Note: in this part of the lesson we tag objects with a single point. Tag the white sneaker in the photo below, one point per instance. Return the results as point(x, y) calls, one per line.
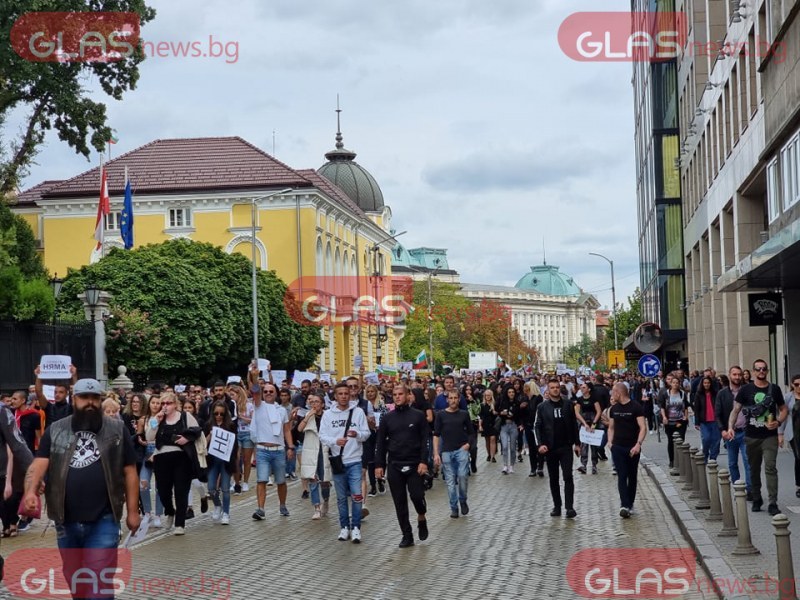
point(316, 516)
point(170, 522)
point(232, 490)
point(157, 522)
point(510, 469)
point(226, 519)
point(270, 481)
point(217, 513)
point(505, 469)
point(179, 531)
point(245, 487)
point(344, 534)
point(355, 535)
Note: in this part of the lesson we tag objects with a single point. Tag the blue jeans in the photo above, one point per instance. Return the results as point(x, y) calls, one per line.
point(735, 446)
point(315, 484)
point(270, 461)
point(218, 473)
point(349, 484)
point(710, 436)
point(456, 471)
point(146, 474)
point(93, 547)
point(508, 440)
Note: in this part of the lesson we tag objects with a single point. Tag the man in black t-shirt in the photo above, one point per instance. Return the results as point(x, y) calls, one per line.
point(453, 432)
point(626, 434)
point(765, 410)
point(90, 466)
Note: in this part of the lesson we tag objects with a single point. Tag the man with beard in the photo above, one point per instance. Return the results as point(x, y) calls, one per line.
point(90, 466)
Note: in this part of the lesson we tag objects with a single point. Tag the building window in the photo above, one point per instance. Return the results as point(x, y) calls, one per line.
point(789, 173)
point(180, 217)
point(112, 221)
point(773, 190)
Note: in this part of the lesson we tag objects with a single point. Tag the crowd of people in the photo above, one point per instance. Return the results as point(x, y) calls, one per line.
point(362, 440)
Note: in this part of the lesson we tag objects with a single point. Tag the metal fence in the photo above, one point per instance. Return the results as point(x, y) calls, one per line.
point(22, 345)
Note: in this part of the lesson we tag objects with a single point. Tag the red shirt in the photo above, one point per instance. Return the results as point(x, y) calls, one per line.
point(709, 409)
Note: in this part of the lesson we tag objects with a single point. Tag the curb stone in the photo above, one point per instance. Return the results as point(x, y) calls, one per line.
point(707, 552)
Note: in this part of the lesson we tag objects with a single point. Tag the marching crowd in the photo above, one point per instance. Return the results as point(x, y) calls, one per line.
point(362, 439)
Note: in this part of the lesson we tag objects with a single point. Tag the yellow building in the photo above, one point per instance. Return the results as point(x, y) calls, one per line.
point(332, 222)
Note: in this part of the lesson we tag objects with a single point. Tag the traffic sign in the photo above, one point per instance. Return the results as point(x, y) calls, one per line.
point(616, 358)
point(649, 365)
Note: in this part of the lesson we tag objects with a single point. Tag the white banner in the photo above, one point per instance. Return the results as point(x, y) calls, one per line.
point(594, 438)
point(221, 443)
point(55, 366)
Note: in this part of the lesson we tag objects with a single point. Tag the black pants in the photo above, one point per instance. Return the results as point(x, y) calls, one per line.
point(537, 460)
point(671, 428)
point(8, 508)
point(795, 446)
point(173, 471)
point(627, 474)
point(399, 482)
point(561, 458)
point(473, 449)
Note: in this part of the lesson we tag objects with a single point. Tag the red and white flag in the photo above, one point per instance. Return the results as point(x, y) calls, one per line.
point(103, 208)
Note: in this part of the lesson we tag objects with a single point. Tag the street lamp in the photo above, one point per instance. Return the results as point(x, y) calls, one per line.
point(613, 296)
point(95, 303)
point(381, 333)
point(253, 202)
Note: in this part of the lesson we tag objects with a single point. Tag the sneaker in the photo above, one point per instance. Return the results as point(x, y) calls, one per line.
point(454, 514)
point(614, 472)
point(216, 513)
point(405, 542)
point(157, 522)
point(259, 515)
point(284, 511)
point(571, 514)
point(372, 492)
point(540, 473)
point(464, 508)
point(317, 515)
point(624, 512)
point(190, 513)
point(304, 495)
point(510, 469)
point(226, 519)
point(23, 525)
point(532, 474)
point(757, 504)
point(594, 470)
point(344, 534)
point(204, 504)
point(231, 488)
point(519, 457)
point(381, 487)
point(582, 469)
point(355, 535)
point(179, 531)
point(170, 522)
point(556, 512)
point(270, 482)
point(245, 487)
point(237, 489)
point(422, 528)
point(324, 510)
point(505, 470)
point(773, 509)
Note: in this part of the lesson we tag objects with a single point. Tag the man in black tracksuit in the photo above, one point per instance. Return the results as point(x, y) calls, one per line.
point(556, 433)
point(403, 434)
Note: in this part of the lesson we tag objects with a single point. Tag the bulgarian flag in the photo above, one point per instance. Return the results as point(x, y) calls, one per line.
point(421, 362)
point(103, 208)
point(499, 360)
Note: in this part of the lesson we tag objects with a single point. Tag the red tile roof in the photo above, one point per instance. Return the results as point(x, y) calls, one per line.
point(186, 165)
point(30, 196)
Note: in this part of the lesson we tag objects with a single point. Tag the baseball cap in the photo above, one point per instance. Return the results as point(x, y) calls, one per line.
point(87, 386)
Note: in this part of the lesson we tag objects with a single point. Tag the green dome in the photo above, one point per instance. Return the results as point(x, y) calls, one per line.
point(547, 279)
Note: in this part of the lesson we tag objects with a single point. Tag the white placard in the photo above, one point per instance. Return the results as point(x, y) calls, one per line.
point(299, 376)
point(594, 438)
point(372, 378)
point(234, 379)
point(55, 366)
point(263, 366)
point(277, 377)
point(49, 392)
point(140, 534)
point(325, 377)
point(221, 443)
point(180, 388)
point(358, 361)
point(377, 416)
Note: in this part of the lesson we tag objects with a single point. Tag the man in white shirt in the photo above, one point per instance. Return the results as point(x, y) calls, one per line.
point(271, 432)
point(346, 440)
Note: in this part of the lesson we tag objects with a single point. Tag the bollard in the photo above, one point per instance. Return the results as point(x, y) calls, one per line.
point(675, 470)
point(688, 470)
point(703, 502)
point(744, 543)
point(787, 588)
point(728, 518)
point(679, 461)
point(695, 492)
point(713, 492)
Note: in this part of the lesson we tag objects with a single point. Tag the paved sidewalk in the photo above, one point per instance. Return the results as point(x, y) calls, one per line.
point(508, 547)
point(759, 568)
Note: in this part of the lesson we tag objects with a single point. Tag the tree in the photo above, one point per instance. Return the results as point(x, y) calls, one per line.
point(584, 351)
point(53, 93)
point(184, 311)
point(628, 319)
point(18, 244)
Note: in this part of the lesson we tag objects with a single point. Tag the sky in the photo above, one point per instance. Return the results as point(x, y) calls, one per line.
point(484, 137)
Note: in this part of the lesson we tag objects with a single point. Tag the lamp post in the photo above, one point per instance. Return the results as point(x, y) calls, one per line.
point(613, 296)
point(254, 283)
point(431, 274)
point(56, 282)
point(95, 305)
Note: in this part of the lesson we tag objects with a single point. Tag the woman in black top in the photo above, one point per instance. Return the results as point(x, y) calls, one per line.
point(511, 423)
point(487, 417)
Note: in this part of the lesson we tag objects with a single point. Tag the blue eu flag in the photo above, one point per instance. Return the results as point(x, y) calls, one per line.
point(126, 217)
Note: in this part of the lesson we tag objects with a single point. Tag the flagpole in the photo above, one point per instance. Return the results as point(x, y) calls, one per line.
point(102, 217)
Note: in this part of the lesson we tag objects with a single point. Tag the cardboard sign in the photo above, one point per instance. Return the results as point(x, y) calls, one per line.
point(55, 366)
point(221, 443)
point(594, 438)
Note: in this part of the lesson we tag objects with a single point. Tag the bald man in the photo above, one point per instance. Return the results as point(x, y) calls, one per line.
point(626, 434)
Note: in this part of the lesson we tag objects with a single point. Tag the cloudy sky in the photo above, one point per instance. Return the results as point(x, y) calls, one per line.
point(485, 138)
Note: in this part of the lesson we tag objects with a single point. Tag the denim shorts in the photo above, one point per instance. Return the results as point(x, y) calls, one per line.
point(244, 440)
point(270, 461)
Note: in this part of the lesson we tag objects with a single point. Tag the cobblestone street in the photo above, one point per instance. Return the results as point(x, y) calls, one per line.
point(507, 547)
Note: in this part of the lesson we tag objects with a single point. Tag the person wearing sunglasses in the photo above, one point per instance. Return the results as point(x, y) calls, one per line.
point(765, 410)
point(790, 429)
point(220, 471)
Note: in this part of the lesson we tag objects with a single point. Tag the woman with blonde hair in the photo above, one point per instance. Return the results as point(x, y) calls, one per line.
point(488, 415)
point(315, 467)
point(111, 408)
point(245, 409)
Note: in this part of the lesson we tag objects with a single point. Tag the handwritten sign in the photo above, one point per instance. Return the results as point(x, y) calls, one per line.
point(594, 438)
point(55, 366)
point(300, 376)
point(221, 443)
point(278, 377)
point(372, 379)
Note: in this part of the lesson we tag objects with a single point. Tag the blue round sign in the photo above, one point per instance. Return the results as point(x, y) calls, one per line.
point(649, 365)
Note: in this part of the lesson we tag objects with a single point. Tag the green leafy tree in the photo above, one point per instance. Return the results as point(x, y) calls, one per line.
point(194, 311)
point(584, 351)
point(53, 95)
point(18, 244)
point(627, 319)
point(35, 301)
